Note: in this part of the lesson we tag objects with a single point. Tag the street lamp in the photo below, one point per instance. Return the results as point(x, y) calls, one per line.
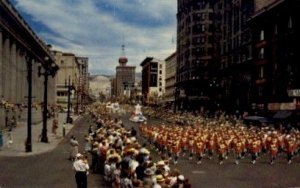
point(70, 88)
point(49, 69)
point(28, 145)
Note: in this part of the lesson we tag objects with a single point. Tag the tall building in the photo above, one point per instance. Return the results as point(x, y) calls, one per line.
point(125, 77)
point(82, 90)
point(153, 80)
point(276, 36)
point(247, 51)
point(194, 52)
point(68, 74)
point(231, 87)
point(169, 97)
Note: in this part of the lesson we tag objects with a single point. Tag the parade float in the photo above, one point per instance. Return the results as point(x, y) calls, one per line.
point(137, 116)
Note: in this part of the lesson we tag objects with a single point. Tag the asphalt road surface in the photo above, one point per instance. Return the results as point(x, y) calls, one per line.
point(229, 175)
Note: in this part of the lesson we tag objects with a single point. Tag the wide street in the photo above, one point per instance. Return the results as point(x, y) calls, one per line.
point(211, 174)
point(52, 169)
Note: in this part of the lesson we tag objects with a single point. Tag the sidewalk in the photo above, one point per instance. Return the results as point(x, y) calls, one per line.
point(19, 135)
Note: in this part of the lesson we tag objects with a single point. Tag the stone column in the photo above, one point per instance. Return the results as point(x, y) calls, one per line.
point(12, 75)
point(34, 82)
point(24, 85)
point(1, 64)
point(5, 67)
point(18, 86)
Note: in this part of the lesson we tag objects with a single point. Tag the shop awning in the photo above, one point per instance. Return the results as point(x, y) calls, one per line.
point(282, 114)
point(258, 119)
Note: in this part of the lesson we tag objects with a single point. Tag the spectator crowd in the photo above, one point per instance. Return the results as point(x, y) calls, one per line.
point(123, 161)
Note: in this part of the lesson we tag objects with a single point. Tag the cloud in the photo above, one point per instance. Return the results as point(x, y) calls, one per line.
point(95, 28)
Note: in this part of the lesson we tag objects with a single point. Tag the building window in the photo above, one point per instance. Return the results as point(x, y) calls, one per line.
point(261, 54)
point(261, 72)
point(160, 84)
point(276, 29)
point(160, 72)
point(290, 23)
point(262, 35)
point(160, 66)
point(203, 28)
point(203, 16)
point(202, 40)
point(260, 91)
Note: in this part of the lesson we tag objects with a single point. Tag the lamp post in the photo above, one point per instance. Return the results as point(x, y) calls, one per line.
point(28, 146)
point(70, 88)
point(49, 69)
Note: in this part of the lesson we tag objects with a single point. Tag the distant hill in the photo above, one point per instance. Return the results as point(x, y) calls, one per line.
point(138, 77)
point(99, 84)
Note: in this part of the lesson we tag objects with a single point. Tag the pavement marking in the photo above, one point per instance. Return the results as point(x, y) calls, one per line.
point(198, 172)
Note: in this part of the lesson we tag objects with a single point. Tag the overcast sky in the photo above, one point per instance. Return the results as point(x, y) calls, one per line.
point(95, 28)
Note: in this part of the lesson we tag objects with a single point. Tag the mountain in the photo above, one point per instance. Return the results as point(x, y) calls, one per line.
point(100, 84)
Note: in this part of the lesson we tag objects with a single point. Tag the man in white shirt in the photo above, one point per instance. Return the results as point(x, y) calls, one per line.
point(81, 167)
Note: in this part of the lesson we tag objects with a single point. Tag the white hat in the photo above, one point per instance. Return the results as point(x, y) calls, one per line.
point(181, 177)
point(144, 151)
point(78, 155)
point(160, 163)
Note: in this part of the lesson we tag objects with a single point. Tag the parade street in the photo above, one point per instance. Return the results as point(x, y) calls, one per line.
point(53, 169)
point(211, 174)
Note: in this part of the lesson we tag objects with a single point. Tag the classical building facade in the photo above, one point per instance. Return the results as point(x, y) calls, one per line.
point(22, 52)
point(153, 80)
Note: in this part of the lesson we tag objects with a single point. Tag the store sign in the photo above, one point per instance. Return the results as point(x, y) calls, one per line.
point(294, 93)
point(282, 106)
point(274, 106)
point(298, 104)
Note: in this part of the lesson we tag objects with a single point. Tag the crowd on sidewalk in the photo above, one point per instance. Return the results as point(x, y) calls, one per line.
point(123, 161)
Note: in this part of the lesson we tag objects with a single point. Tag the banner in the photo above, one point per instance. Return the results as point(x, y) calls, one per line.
point(282, 106)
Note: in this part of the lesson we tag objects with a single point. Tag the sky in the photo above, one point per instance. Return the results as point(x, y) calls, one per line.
point(97, 29)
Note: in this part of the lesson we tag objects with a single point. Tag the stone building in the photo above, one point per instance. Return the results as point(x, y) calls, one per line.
point(194, 51)
point(230, 87)
point(252, 66)
point(169, 96)
point(22, 52)
point(153, 80)
point(82, 90)
point(72, 69)
point(276, 36)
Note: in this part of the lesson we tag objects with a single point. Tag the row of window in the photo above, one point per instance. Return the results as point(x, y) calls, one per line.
point(275, 29)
